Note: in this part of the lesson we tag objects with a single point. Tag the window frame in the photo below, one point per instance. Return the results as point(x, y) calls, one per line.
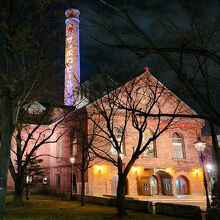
point(113, 151)
point(180, 143)
point(34, 111)
point(59, 150)
point(153, 143)
point(74, 146)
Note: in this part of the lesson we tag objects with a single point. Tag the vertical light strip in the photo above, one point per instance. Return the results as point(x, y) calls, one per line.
point(72, 56)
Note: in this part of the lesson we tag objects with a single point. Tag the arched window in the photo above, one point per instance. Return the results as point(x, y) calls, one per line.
point(150, 151)
point(59, 150)
point(177, 145)
point(182, 185)
point(74, 146)
point(118, 135)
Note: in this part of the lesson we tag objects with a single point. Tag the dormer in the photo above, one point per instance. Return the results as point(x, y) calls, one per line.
point(34, 108)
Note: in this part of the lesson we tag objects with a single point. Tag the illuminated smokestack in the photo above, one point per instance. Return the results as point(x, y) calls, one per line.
point(72, 56)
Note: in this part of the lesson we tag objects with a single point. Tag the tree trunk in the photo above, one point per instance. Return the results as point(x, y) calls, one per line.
point(7, 129)
point(18, 194)
point(216, 149)
point(120, 200)
point(83, 187)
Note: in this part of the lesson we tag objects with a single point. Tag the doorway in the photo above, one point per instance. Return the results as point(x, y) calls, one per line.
point(145, 187)
point(167, 186)
point(153, 185)
point(74, 186)
point(165, 182)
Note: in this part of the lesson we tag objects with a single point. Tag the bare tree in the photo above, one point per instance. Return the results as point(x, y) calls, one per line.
point(189, 49)
point(82, 141)
point(30, 135)
point(197, 40)
point(27, 67)
point(116, 116)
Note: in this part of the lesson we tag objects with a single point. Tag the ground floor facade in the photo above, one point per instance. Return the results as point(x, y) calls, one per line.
point(101, 179)
point(147, 181)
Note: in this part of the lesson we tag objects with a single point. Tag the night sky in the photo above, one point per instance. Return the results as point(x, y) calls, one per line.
point(148, 14)
point(123, 65)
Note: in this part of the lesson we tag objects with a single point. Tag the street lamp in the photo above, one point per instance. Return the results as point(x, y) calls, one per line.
point(200, 146)
point(72, 161)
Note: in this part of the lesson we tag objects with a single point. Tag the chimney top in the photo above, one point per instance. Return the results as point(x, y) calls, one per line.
point(72, 13)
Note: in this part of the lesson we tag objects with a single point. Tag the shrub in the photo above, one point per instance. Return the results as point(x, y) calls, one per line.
point(216, 195)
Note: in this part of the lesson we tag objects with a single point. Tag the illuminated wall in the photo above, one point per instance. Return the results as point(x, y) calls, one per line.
point(72, 56)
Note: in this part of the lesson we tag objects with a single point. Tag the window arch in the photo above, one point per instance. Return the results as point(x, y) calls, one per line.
point(150, 151)
point(177, 145)
point(118, 135)
point(59, 150)
point(182, 185)
point(74, 146)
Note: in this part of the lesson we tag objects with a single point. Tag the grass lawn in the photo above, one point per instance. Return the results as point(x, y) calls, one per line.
point(41, 207)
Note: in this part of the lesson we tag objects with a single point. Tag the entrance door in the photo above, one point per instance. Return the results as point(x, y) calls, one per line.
point(153, 185)
point(145, 187)
point(74, 183)
point(167, 186)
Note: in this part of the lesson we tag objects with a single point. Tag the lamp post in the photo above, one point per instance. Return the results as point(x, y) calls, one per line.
point(200, 146)
point(72, 161)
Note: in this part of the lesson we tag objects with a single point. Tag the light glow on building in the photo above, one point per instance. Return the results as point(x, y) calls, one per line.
point(168, 170)
point(135, 169)
point(196, 171)
point(99, 168)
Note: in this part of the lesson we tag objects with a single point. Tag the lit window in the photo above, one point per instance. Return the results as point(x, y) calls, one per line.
point(74, 147)
point(59, 150)
point(30, 111)
point(34, 111)
point(118, 135)
point(150, 151)
point(177, 145)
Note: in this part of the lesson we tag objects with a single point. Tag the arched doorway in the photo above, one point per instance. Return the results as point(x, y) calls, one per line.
point(165, 185)
point(153, 186)
point(73, 182)
point(144, 186)
point(182, 185)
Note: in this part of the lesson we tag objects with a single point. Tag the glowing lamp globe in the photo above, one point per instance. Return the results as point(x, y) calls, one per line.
point(200, 145)
point(72, 160)
point(209, 166)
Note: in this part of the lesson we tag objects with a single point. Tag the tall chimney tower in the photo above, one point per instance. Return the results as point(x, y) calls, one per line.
point(72, 56)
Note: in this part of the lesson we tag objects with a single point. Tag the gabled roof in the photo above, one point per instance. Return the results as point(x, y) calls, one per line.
point(34, 105)
point(147, 74)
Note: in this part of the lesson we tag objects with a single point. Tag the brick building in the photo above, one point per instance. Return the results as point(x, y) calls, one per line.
point(169, 166)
